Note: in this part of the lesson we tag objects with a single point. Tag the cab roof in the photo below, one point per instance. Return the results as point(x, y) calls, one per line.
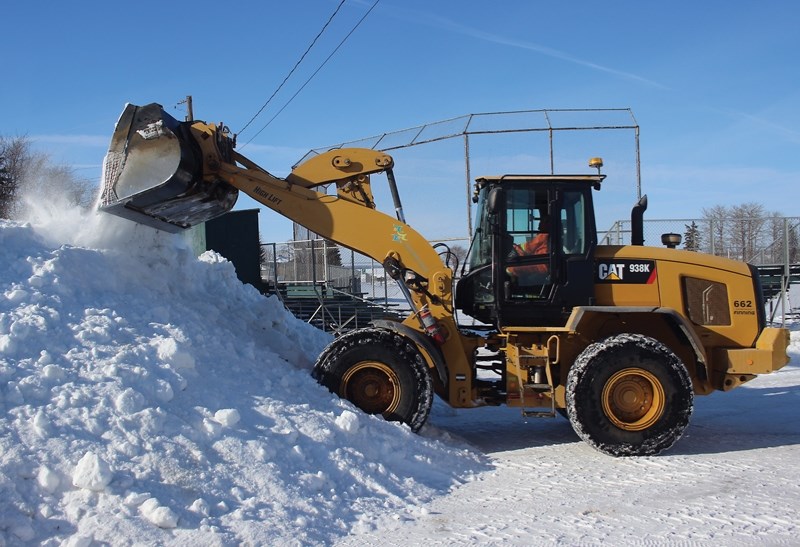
point(594, 180)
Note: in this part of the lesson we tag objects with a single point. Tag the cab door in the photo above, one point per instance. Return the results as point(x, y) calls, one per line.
point(546, 239)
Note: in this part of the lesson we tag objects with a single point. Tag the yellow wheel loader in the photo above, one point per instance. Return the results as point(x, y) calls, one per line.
point(617, 338)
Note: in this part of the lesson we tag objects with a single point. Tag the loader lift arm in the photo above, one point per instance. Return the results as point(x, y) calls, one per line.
point(348, 218)
point(201, 167)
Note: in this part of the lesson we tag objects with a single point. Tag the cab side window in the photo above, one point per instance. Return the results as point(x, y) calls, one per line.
point(573, 224)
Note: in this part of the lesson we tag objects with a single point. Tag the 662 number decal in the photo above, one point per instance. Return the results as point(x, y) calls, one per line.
point(743, 307)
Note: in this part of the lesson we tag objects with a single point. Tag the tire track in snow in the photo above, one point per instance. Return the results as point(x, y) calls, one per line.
point(723, 484)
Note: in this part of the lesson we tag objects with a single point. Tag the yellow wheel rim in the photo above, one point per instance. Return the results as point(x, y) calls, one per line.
point(371, 386)
point(633, 399)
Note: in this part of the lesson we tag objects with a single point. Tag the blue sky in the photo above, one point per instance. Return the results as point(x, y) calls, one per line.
point(714, 87)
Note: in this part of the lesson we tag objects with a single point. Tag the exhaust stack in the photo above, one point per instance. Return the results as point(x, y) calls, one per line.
point(637, 221)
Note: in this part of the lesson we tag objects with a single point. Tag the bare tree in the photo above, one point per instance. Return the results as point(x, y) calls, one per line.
point(7, 191)
point(27, 173)
point(13, 156)
point(773, 251)
point(745, 232)
point(747, 223)
point(460, 251)
point(716, 226)
point(43, 179)
point(783, 236)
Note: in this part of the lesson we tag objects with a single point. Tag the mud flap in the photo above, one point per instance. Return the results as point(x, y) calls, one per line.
point(153, 173)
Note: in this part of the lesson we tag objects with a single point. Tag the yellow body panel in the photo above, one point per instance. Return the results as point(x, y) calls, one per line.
point(733, 348)
point(768, 356)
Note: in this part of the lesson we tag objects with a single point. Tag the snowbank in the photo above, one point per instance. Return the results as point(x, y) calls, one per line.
point(150, 397)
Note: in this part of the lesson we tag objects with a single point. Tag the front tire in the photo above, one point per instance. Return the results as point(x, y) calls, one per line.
point(629, 395)
point(380, 372)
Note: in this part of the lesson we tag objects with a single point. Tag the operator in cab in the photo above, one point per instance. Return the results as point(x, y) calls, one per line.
point(537, 245)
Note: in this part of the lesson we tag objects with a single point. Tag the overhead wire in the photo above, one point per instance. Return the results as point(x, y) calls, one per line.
point(297, 64)
point(328, 58)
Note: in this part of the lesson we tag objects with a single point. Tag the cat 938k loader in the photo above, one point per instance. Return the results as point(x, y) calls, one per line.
point(617, 338)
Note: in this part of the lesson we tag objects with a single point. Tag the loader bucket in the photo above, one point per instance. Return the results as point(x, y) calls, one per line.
point(153, 173)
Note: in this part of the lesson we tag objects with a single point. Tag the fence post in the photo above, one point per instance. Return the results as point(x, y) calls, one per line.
point(385, 287)
point(786, 271)
point(275, 266)
point(469, 182)
point(352, 271)
point(294, 259)
point(373, 292)
point(313, 263)
point(326, 275)
point(711, 232)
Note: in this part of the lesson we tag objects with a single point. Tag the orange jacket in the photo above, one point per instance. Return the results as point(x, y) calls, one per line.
point(537, 245)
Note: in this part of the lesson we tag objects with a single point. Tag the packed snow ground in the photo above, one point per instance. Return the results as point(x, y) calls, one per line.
point(148, 397)
point(732, 479)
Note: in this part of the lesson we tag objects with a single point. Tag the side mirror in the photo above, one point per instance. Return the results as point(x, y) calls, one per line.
point(494, 200)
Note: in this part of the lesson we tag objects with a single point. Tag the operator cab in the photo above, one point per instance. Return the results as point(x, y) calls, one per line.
point(531, 256)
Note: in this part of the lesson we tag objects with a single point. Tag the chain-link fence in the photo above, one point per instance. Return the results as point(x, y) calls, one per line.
point(769, 243)
point(317, 266)
point(322, 271)
point(758, 241)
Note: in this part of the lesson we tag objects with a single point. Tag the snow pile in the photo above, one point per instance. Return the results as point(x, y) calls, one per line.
point(149, 397)
point(794, 342)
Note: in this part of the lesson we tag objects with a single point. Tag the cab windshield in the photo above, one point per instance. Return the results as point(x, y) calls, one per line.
point(480, 253)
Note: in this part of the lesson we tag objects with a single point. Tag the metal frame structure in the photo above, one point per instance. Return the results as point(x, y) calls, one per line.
point(468, 125)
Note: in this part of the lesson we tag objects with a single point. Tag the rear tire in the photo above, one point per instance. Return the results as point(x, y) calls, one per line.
point(629, 395)
point(380, 372)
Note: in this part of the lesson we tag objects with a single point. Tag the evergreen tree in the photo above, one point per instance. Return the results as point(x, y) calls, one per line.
point(333, 255)
point(692, 237)
point(794, 245)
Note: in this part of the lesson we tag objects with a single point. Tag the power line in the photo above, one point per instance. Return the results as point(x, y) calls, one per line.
point(314, 41)
point(314, 74)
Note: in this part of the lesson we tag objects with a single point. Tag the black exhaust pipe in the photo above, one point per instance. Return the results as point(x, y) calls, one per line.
point(637, 221)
